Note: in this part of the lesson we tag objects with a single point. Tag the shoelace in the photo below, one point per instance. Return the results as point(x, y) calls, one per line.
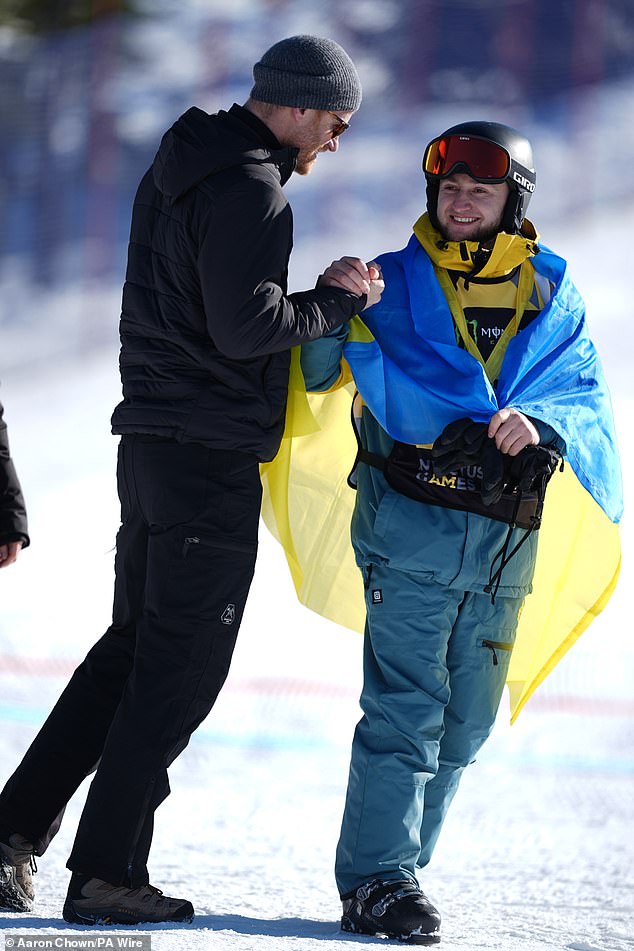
point(152, 889)
point(30, 861)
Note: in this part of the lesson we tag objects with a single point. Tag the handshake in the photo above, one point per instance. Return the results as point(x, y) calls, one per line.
point(357, 277)
point(465, 442)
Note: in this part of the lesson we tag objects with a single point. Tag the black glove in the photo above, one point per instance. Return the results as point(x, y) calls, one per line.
point(465, 442)
point(530, 467)
point(494, 473)
point(459, 444)
point(528, 471)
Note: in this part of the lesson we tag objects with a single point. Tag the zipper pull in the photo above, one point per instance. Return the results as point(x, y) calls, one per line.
point(192, 540)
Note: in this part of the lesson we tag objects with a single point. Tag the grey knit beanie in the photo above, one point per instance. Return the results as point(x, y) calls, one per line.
point(308, 72)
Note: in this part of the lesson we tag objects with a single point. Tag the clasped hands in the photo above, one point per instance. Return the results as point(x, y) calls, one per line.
point(355, 276)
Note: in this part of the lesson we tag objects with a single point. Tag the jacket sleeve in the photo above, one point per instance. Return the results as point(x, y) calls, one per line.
point(13, 525)
point(321, 360)
point(243, 262)
point(548, 436)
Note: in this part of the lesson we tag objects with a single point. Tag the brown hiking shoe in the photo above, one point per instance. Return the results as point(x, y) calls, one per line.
point(90, 901)
point(17, 865)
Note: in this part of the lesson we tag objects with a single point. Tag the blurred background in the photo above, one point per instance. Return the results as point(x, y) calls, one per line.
point(88, 87)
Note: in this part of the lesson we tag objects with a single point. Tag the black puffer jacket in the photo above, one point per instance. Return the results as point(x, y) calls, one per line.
point(13, 527)
point(206, 324)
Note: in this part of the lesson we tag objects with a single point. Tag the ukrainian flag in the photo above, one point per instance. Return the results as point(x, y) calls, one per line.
point(410, 377)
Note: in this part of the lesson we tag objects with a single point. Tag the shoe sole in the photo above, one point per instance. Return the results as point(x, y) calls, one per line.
point(422, 939)
point(16, 905)
point(74, 917)
point(12, 898)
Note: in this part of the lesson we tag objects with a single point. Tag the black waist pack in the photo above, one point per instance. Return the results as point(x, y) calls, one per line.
point(410, 471)
point(465, 470)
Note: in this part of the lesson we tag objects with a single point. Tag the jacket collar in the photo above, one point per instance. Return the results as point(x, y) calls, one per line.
point(508, 251)
point(284, 157)
point(260, 128)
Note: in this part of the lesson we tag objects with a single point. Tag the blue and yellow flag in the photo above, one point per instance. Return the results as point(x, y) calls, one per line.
point(415, 380)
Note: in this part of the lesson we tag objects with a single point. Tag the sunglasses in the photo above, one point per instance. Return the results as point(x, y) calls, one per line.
point(485, 161)
point(341, 126)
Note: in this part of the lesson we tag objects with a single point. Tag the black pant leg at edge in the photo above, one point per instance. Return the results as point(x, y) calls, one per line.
point(198, 577)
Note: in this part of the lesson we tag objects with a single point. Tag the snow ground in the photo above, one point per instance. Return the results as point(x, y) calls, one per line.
point(537, 851)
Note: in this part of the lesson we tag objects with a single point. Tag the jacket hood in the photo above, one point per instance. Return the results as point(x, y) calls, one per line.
point(199, 145)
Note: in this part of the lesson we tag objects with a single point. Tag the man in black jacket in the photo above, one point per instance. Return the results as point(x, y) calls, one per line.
point(206, 329)
point(13, 527)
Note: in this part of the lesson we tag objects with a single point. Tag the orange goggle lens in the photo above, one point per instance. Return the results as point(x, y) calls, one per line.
point(485, 161)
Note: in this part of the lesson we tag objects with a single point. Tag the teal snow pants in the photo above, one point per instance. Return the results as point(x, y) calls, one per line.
point(435, 664)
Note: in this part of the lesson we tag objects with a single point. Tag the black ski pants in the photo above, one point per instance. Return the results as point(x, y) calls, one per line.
point(185, 557)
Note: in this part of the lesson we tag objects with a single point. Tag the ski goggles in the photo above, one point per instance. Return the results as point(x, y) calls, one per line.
point(484, 160)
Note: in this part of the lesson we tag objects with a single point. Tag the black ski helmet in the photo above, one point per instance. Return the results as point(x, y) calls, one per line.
point(518, 173)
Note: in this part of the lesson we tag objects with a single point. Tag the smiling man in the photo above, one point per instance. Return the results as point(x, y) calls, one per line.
point(476, 376)
point(469, 210)
point(206, 332)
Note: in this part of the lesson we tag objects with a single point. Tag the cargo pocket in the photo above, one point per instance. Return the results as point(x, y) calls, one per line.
point(500, 651)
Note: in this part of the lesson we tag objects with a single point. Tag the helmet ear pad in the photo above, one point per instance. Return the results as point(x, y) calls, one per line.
point(512, 216)
point(514, 210)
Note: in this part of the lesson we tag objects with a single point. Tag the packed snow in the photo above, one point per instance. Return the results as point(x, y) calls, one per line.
point(537, 852)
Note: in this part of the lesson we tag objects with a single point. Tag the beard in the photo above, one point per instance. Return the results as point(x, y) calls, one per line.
point(483, 234)
point(305, 161)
